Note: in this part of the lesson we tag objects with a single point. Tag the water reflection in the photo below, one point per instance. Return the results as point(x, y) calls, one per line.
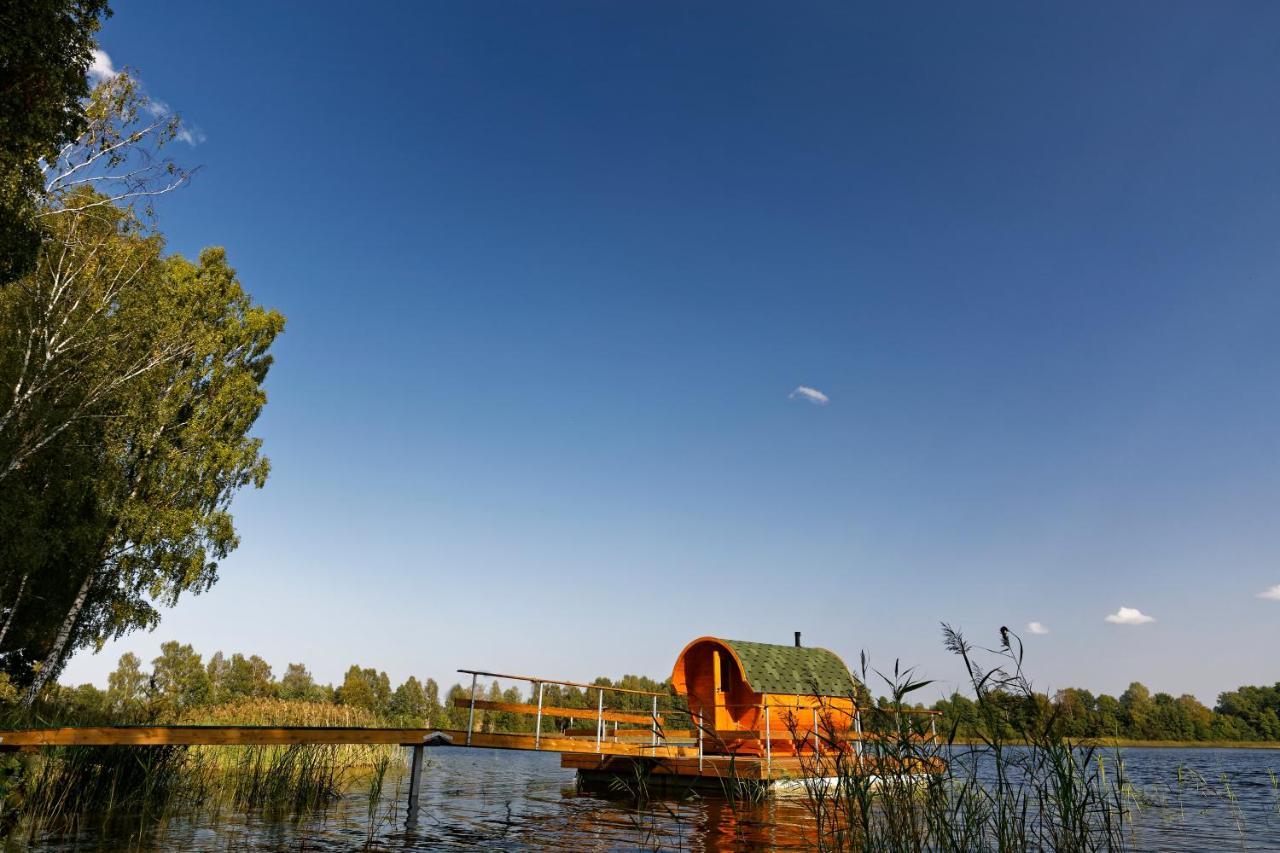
point(492, 800)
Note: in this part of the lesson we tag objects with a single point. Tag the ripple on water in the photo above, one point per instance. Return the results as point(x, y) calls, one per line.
point(495, 800)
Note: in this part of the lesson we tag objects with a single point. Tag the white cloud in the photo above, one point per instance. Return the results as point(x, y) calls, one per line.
point(1037, 628)
point(1129, 616)
point(812, 395)
point(190, 134)
point(101, 68)
point(1273, 593)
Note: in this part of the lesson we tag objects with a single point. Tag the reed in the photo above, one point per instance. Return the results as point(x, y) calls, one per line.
point(63, 791)
point(373, 798)
point(907, 791)
point(1019, 785)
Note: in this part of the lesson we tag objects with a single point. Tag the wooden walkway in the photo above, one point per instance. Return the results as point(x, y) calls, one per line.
point(616, 756)
point(687, 756)
point(336, 735)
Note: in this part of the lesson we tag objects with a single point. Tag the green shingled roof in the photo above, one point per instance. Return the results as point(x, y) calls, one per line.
point(792, 670)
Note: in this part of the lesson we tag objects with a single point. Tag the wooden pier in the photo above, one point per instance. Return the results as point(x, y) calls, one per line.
point(771, 734)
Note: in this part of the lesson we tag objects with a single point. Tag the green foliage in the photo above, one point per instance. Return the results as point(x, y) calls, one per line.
point(44, 54)
point(127, 687)
point(365, 688)
point(249, 678)
point(179, 680)
point(122, 457)
point(1244, 714)
point(178, 686)
point(297, 684)
point(409, 702)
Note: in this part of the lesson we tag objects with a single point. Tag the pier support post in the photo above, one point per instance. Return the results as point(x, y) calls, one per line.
point(415, 786)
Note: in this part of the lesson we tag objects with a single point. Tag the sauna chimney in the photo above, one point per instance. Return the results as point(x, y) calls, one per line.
point(797, 639)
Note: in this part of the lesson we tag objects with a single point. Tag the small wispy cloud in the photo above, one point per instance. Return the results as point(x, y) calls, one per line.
point(1129, 616)
point(101, 68)
point(190, 134)
point(811, 395)
point(1273, 593)
point(1037, 628)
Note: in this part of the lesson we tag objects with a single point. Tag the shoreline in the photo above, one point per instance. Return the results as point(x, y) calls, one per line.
point(1126, 743)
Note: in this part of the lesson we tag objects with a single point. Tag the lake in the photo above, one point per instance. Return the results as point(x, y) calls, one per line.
point(500, 800)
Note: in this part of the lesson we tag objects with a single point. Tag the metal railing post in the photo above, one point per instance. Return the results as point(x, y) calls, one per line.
point(933, 728)
point(655, 720)
point(857, 727)
point(537, 726)
point(768, 744)
point(817, 744)
point(599, 718)
point(471, 715)
point(699, 740)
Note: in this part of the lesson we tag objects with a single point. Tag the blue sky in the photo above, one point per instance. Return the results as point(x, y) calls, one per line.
point(553, 270)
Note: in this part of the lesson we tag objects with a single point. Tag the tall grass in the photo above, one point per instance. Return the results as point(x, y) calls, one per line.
point(65, 790)
point(906, 791)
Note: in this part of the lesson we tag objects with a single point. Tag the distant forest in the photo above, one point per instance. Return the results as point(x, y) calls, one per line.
point(180, 685)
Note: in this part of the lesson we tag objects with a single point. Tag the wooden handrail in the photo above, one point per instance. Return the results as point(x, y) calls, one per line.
point(550, 711)
point(534, 680)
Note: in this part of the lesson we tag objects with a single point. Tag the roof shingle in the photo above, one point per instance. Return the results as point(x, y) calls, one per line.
point(792, 670)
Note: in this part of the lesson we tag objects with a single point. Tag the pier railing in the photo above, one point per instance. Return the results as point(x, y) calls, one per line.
point(812, 727)
point(539, 709)
point(801, 726)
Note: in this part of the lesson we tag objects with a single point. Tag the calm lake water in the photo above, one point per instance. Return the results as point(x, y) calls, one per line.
point(493, 800)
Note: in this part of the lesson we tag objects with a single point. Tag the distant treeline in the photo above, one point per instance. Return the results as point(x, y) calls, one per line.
point(180, 683)
point(1244, 714)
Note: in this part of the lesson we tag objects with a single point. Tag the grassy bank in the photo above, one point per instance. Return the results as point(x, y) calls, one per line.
point(1124, 743)
point(1129, 743)
point(65, 791)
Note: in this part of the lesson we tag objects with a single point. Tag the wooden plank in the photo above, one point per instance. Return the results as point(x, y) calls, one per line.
point(722, 767)
point(551, 711)
point(667, 734)
point(711, 767)
point(210, 736)
point(290, 735)
point(564, 745)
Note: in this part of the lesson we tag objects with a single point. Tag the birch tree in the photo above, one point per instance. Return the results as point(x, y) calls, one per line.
point(45, 50)
point(172, 453)
point(129, 382)
point(97, 224)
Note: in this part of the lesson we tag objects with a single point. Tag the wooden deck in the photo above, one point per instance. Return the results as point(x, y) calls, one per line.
point(720, 767)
